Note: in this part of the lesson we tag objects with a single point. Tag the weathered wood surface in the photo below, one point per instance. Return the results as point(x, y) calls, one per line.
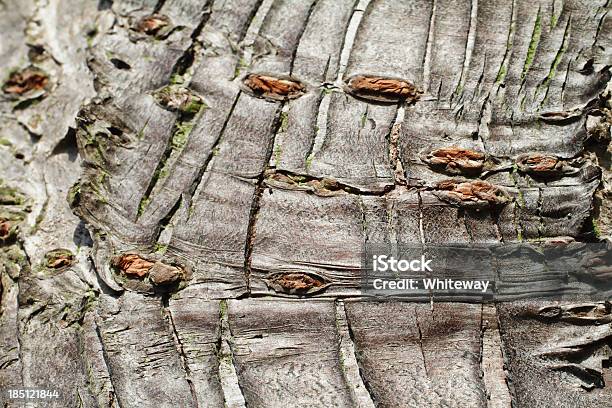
point(186, 187)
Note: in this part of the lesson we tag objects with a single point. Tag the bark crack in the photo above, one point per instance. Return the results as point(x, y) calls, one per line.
point(349, 37)
point(20, 348)
point(255, 205)
point(350, 361)
point(481, 354)
point(428, 48)
point(176, 143)
point(323, 186)
point(253, 31)
point(320, 127)
point(185, 64)
point(506, 362)
point(192, 191)
point(395, 157)
point(324, 103)
point(533, 45)
point(418, 326)
point(179, 348)
point(159, 6)
point(503, 67)
point(230, 383)
point(469, 49)
point(186, 119)
point(277, 125)
point(301, 33)
point(114, 396)
point(555, 64)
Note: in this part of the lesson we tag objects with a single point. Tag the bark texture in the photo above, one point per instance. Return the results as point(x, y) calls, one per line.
point(186, 187)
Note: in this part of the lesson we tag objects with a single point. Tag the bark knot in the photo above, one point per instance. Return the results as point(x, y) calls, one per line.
point(297, 283)
point(133, 266)
point(152, 24)
point(25, 81)
point(455, 160)
point(178, 98)
point(59, 259)
point(476, 194)
point(383, 89)
point(148, 271)
point(540, 164)
point(5, 229)
point(275, 88)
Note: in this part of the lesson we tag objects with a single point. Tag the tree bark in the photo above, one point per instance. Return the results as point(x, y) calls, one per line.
point(186, 188)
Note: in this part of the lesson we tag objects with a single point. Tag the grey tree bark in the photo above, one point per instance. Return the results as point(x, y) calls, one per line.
point(186, 187)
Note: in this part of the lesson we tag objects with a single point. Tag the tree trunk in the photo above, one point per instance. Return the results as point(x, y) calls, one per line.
point(187, 186)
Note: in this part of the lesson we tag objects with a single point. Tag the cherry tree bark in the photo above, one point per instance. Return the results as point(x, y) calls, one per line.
point(186, 188)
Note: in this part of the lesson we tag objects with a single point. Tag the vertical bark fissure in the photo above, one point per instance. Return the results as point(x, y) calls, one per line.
point(495, 218)
point(320, 128)
point(166, 228)
point(301, 34)
point(503, 67)
point(363, 219)
point(464, 215)
point(469, 49)
point(423, 242)
point(178, 344)
point(483, 123)
point(255, 204)
point(533, 45)
point(478, 87)
point(366, 396)
point(565, 79)
point(324, 103)
point(187, 61)
point(429, 47)
point(491, 359)
point(233, 395)
point(554, 66)
point(518, 203)
point(111, 397)
point(243, 34)
point(421, 230)
point(108, 365)
point(317, 140)
point(159, 6)
point(514, 402)
point(262, 10)
point(482, 376)
point(600, 24)
point(350, 35)
point(395, 156)
point(256, 18)
point(20, 351)
point(418, 326)
point(183, 121)
point(191, 192)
